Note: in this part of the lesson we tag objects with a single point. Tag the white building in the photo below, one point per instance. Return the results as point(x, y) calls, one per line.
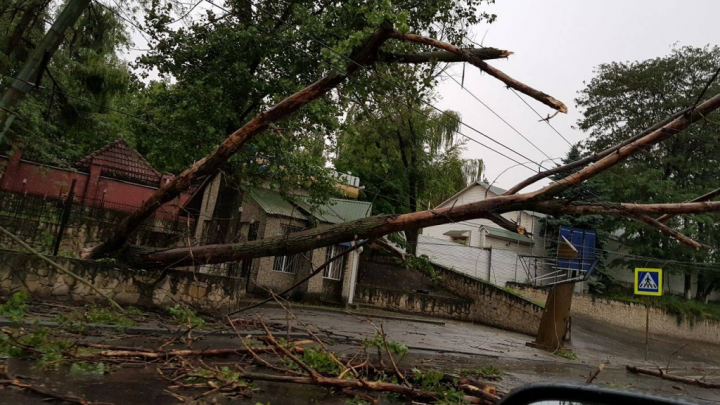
point(483, 233)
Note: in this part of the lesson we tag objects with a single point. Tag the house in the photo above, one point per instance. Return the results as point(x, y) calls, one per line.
point(116, 177)
point(226, 213)
point(483, 233)
point(479, 247)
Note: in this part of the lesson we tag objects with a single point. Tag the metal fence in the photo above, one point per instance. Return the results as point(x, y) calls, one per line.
point(44, 221)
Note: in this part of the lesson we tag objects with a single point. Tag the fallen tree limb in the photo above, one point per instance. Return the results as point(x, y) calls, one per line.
point(591, 159)
point(343, 383)
point(656, 136)
point(670, 377)
point(595, 373)
point(646, 219)
point(475, 61)
point(10, 380)
point(705, 197)
point(442, 56)
point(374, 227)
point(147, 355)
point(212, 162)
point(60, 268)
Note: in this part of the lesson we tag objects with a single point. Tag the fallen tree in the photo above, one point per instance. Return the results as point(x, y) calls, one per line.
point(362, 57)
point(541, 201)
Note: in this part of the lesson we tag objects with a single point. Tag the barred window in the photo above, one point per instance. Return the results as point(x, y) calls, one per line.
point(335, 269)
point(287, 263)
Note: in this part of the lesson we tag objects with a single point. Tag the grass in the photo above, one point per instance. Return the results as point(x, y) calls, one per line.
point(566, 354)
point(77, 321)
point(683, 309)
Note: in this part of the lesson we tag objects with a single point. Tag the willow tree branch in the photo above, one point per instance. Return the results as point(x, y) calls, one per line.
point(60, 268)
point(593, 158)
point(475, 61)
point(653, 138)
point(210, 163)
point(560, 207)
point(705, 197)
point(442, 56)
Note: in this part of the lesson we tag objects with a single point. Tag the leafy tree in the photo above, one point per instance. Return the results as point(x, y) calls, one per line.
point(625, 98)
point(408, 156)
point(73, 111)
point(239, 58)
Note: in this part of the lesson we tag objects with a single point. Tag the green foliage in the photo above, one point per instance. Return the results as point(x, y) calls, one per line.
point(432, 381)
point(186, 316)
point(486, 371)
point(37, 342)
point(83, 367)
point(77, 321)
point(566, 354)
point(624, 99)
point(16, 307)
point(377, 342)
point(320, 360)
point(422, 264)
point(356, 401)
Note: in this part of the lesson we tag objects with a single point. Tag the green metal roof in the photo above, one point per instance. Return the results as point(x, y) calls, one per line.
point(456, 233)
point(273, 204)
point(340, 210)
point(507, 235)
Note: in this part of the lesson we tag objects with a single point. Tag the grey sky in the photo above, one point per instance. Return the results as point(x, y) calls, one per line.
point(557, 45)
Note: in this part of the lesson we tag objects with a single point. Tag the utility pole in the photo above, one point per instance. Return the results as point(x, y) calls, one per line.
point(30, 73)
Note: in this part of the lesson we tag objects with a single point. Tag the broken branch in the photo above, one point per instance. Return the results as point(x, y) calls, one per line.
point(442, 56)
point(670, 377)
point(475, 61)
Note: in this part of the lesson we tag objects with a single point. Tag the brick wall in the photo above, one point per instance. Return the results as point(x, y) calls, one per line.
point(632, 316)
point(23, 271)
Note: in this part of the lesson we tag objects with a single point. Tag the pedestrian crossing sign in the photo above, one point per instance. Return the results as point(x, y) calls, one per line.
point(648, 282)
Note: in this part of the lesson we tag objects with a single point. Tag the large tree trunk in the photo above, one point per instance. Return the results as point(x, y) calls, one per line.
point(373, 227)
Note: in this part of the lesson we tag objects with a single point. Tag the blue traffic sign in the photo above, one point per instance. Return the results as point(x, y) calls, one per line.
point(648, 282)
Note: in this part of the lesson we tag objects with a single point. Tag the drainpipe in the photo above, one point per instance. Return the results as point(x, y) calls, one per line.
point(353, 274)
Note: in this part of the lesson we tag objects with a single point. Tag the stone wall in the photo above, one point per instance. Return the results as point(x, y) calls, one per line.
point(23, 271)
point(479, 302)
point(631, 315)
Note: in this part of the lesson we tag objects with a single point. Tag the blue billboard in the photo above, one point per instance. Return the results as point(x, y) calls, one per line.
point(583, 240)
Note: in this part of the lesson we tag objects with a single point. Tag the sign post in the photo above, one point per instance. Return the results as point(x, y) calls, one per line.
point(648, 282)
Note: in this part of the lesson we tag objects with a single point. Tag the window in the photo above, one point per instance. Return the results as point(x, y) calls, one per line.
point(287, 263)
point(335, 269)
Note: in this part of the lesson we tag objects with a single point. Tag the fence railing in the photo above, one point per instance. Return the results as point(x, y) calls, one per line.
point(39, 220)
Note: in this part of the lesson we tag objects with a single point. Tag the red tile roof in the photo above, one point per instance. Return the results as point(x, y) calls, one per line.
point(120, 161)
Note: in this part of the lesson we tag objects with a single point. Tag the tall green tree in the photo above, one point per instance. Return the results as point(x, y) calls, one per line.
point(623, 99)
point(408, 157)
point(240, 57)
point(73, 111)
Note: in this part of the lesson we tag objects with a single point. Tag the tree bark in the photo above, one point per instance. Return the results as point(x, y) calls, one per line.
point(474, 60)
point(442, 56)
point(208, 165)
point(376, 226)
point(591, 159)
point(659, 135)
point(705, 197)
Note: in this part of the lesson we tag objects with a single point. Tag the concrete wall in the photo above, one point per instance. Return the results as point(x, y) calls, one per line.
point(632, 316)
point(480, 302)
point(23, 271)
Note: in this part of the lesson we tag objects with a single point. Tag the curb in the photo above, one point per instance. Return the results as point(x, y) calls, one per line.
point(357, 313)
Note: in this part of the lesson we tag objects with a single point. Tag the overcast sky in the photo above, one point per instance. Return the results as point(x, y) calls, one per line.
point(557, 44)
